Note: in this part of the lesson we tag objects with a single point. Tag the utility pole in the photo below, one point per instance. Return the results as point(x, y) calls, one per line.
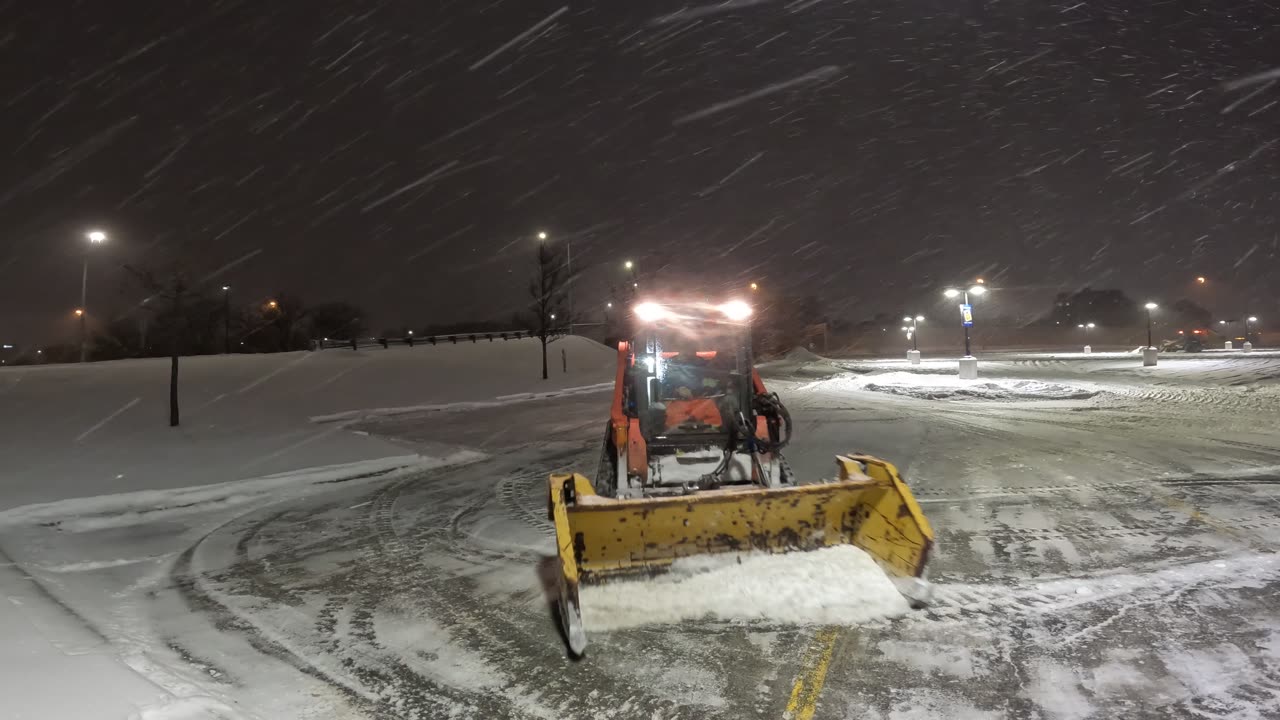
point(95, 237)
point(226, 318)
point(568, 266)
point(84, 292)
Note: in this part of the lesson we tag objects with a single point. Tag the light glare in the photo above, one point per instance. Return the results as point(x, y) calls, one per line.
point(650, 312)
point(736, 310)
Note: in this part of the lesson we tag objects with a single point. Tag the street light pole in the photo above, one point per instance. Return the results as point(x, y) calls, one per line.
point(979, 289)
point(915, 330)
point(568, 268)
point(84, 291)
point(226, 319)
point(1149, 306)
point(568, 265)
point(95, 237)
point(1247, 331)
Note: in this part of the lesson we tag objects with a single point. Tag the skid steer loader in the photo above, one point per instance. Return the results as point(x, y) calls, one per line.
point(692, 463)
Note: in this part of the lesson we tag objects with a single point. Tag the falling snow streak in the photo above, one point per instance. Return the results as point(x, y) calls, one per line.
point(538, 26)
point(107, 419)
point(236, 224)
point(820, 74)
point(1265, 87)
point(730, 176)
point(1245, 256)
point(272, 374)
point(442, 176)
point(1262, 77)
point(240, 260)
point(484, 118)
point(433, 245)
point(799, 5)
point(704, 10)
point(1134, 161)
point(424, 179)
point(69, 159)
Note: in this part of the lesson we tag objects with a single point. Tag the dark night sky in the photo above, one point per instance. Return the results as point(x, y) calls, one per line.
point(868, 151)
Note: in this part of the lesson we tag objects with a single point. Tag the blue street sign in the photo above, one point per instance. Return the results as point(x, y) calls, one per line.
point(966, 315)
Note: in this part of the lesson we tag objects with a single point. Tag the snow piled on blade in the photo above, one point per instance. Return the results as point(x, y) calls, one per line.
point(949, 387)
point(835, 585)
point(144, 506)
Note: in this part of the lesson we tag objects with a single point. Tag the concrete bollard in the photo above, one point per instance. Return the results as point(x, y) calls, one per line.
point(913, 356)
point(1247, 347)
point(1149, 356)
point(1227, 345)
point(1088, 349)
point(968, 368)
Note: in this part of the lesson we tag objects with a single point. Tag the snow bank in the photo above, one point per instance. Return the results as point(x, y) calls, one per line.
point(801, 354)
point(928, 386)
point(840, 585)
point(145, 506)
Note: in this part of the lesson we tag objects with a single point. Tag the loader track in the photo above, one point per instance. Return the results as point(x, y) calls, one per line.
point(513, 638)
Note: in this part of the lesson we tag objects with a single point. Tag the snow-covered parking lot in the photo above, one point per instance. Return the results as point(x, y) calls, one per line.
point(1106, 538)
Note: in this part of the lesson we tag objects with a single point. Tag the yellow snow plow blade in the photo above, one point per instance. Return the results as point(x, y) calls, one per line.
point(598, 538)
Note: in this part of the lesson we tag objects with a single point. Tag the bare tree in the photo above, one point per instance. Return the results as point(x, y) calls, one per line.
point(171, 300)
point(547, 289)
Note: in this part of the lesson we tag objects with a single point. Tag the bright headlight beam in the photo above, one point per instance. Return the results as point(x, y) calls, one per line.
point(649, 312)
point(736, 310)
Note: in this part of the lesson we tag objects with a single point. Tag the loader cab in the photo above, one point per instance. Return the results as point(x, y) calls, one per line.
point(689, 381)
point(690, 376)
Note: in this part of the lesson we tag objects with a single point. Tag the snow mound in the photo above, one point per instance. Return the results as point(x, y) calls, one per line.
point(801, 354)
point(950, 387)
point(835, 585)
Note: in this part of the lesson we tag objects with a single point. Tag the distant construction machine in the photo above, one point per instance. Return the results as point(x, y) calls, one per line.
point(692, 464)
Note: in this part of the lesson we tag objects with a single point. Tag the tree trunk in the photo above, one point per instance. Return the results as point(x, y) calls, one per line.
point(544, 356)
point(173, 391)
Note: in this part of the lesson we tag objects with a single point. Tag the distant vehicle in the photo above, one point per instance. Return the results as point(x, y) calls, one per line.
point(1190, 341)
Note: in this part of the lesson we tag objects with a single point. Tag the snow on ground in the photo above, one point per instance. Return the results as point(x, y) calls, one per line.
point(835, 585)
point(80, 430)
point(101, 502)
point(929, 386)
point(147, 506)
point(1111, 556)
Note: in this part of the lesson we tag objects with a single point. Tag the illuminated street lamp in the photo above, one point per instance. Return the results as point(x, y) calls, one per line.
point(1149, 306)
point(273, 305)
point(95, 237)
point(912, 330)
point(568, 269)
point(966, 310)
point(1250, 319)
point(1200, 279)
point(755, 286)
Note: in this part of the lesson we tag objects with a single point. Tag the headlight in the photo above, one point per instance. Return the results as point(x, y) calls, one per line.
point(649, 312)
point(736, 310)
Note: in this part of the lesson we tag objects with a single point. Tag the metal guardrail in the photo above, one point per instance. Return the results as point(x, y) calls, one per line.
point(412, 340)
